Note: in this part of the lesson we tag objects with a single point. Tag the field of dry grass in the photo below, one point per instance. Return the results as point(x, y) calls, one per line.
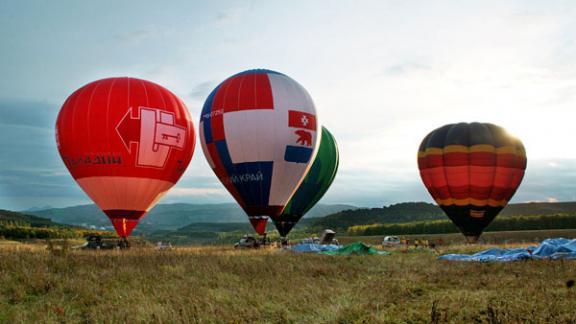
point(213, 284)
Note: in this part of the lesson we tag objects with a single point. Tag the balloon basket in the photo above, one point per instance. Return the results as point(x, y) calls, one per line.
point(472, 239)
point(123, 243)
point(264, 239)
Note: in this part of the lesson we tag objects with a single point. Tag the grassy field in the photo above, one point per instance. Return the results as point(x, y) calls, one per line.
point(219, 284)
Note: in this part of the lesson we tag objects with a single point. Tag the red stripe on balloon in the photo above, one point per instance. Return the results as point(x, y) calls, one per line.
point(231, 98)
point(217, 124)
point(455, 182)
point(244, 92)
point(128, 214)
point(124, 221)
point(246, 95)
point(259, 224)
point(474, 192)
point(434, 161)
point(263, 87)
point(455, 159)
point(508, 160)
point(482, 159)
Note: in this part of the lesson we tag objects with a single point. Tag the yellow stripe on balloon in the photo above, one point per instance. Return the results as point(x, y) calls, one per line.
point(479, 148)
point(472, 201)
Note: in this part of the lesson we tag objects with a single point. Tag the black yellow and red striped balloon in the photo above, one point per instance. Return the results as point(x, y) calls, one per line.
point(471, 170)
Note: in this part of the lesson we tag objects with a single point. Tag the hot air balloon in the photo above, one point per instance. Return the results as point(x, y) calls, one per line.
point(126, 142)
point(258, 131)
point(471, 171)
point(314, 186)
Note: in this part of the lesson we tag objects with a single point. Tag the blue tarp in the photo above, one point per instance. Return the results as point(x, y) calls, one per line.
point(313, 248)
point(554, 249)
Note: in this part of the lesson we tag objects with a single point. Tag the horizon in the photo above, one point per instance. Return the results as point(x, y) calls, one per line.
point(42, 208)
point(375, 87)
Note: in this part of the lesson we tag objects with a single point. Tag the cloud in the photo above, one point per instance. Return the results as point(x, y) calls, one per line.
point(405, 68)
point(201, 90)
point(27, 113)
point(139, 36)
point(31, 171)
point(543, 182)
point(230, 17)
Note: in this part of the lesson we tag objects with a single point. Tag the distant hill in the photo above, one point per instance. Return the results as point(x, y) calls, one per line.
point(205, 233)
point(539, 208)
point(23, 226)
point(420, 211)
point(32, 209)
point(215, 227)
point(83, 215)
point(169, 216)
point(397, 213)
point(7, 216)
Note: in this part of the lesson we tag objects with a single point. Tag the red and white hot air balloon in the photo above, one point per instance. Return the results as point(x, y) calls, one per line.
point(260, 134)
point(126, 142)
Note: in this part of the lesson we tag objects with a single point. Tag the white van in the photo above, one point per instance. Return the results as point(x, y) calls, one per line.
point(390, 241)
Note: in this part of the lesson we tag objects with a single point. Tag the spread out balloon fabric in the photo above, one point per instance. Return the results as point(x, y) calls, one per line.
point(471, 170)
point(356, 248)
point(258, 131)
point(126, 142)
point(549, 249)
point(314, 186)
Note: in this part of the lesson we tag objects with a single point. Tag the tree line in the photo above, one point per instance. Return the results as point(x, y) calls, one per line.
point(14, 230)
point(511, 223)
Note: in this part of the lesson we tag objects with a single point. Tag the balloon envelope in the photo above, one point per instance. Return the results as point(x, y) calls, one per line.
point(471, 171)
point(314, 186)
point(126, 142)
point(258, 131)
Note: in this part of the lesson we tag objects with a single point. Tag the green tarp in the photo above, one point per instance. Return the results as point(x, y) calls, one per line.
point(356, 248)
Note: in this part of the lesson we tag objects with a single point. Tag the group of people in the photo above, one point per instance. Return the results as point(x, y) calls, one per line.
point(421, 243)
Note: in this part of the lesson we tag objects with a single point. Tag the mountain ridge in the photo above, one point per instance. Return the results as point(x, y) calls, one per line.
point(7, 216)
point(421, 211)
point(169, 216)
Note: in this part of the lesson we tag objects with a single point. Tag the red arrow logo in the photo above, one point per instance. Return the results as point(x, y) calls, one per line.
point(129, 129)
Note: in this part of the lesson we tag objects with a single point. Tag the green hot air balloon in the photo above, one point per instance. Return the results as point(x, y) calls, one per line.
point(314, 185)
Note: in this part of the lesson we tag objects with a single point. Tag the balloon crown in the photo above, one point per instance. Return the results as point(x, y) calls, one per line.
point(257, 71)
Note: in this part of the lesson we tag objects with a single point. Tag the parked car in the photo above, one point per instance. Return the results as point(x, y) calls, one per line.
point(247, 242)
point(162, 246)
point(390, 241)
point(328, 238)
point(97, 242)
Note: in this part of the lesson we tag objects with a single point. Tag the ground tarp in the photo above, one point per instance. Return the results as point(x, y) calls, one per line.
point(357, 248)
point(313, 248)
point(551, 249)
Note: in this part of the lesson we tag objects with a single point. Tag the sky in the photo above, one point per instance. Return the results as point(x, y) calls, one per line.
point(382, 74)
